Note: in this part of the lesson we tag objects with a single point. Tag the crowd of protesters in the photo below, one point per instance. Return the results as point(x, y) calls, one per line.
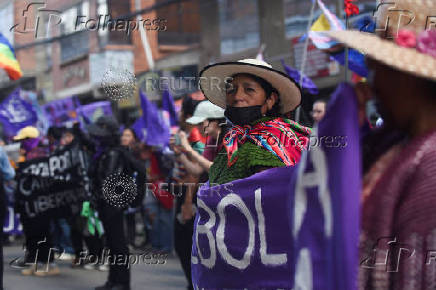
point(108, 150)
point(224, 139)
point(164, 215)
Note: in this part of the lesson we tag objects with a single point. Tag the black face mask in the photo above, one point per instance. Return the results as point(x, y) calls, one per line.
point(243, 115)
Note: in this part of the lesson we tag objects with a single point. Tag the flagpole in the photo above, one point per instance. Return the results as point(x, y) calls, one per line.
point(304, 58)
point(347, 71)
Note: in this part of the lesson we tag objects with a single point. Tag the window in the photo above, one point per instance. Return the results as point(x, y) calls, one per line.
point(75, 42)
point(74, 46)
point(179, 23)
point(117, 9)
point(239, 25)
point(69, 18)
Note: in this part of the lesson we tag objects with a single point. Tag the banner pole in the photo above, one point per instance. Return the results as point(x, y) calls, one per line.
point(347, 72)
point(304, 58)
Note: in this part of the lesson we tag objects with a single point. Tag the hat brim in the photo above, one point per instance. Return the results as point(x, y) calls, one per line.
point(19, 138)
point(194, 120)
point(289, 90)
point(388, 52)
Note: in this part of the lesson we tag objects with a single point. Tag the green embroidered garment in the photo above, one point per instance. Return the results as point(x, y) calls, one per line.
point(251, 159)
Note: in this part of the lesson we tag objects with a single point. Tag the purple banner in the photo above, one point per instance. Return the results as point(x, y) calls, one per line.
point(243, 233)
point(290, 227)
point(61, 112)
point(88, 114)
point(12, 225)
point(16, 113)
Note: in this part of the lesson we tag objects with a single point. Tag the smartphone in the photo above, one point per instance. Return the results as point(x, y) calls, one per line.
point(177, 141)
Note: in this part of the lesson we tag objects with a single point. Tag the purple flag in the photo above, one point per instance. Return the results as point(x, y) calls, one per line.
point(168, 109)
point(16, 113)
point(88, 114)
point(61, 112)
point(42, 124)
point(294, 74)
point(150, 127)
point(340, 124)
point(289, 227)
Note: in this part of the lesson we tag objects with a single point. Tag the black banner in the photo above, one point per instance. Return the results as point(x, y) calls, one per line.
point(51, 186)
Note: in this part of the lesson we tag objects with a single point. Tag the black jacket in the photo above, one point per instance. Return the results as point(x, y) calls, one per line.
point(117, 161)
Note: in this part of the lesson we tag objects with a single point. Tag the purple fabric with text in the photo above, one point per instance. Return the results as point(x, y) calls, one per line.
point(308, 213)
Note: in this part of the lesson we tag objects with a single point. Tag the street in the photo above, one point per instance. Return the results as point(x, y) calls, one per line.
point(166, 276)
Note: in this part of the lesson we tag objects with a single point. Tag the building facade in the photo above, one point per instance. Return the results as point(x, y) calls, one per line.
point(71, 47)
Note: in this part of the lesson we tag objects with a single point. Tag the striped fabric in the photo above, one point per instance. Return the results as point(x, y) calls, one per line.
point(282, 137)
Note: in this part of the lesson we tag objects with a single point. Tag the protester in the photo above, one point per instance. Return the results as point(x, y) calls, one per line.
point(255, 99)
point(61, 228)
point(76, 229)
point(398, 224)
point(109, 160)
point(143, 154)
point(38, 237)
point(318, 110)
point(260, 138)
point(183, 224)
point(53, 137)
point(7, 173)
point(158, 202)
point(128, 139)
point(210, 119)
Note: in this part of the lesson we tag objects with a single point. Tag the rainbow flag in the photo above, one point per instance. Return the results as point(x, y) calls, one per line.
point(8, 61)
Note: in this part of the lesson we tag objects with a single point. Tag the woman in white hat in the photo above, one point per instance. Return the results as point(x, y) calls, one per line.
point(398, 227)
point(255, 98)
point(210, 120)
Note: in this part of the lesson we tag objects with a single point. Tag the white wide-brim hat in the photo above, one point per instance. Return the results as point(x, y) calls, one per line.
point(213, 79)
point(206, 110)
point(419, 60)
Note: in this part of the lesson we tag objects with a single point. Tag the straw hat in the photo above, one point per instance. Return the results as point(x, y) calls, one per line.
point(406, 44)
point(290, 92)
